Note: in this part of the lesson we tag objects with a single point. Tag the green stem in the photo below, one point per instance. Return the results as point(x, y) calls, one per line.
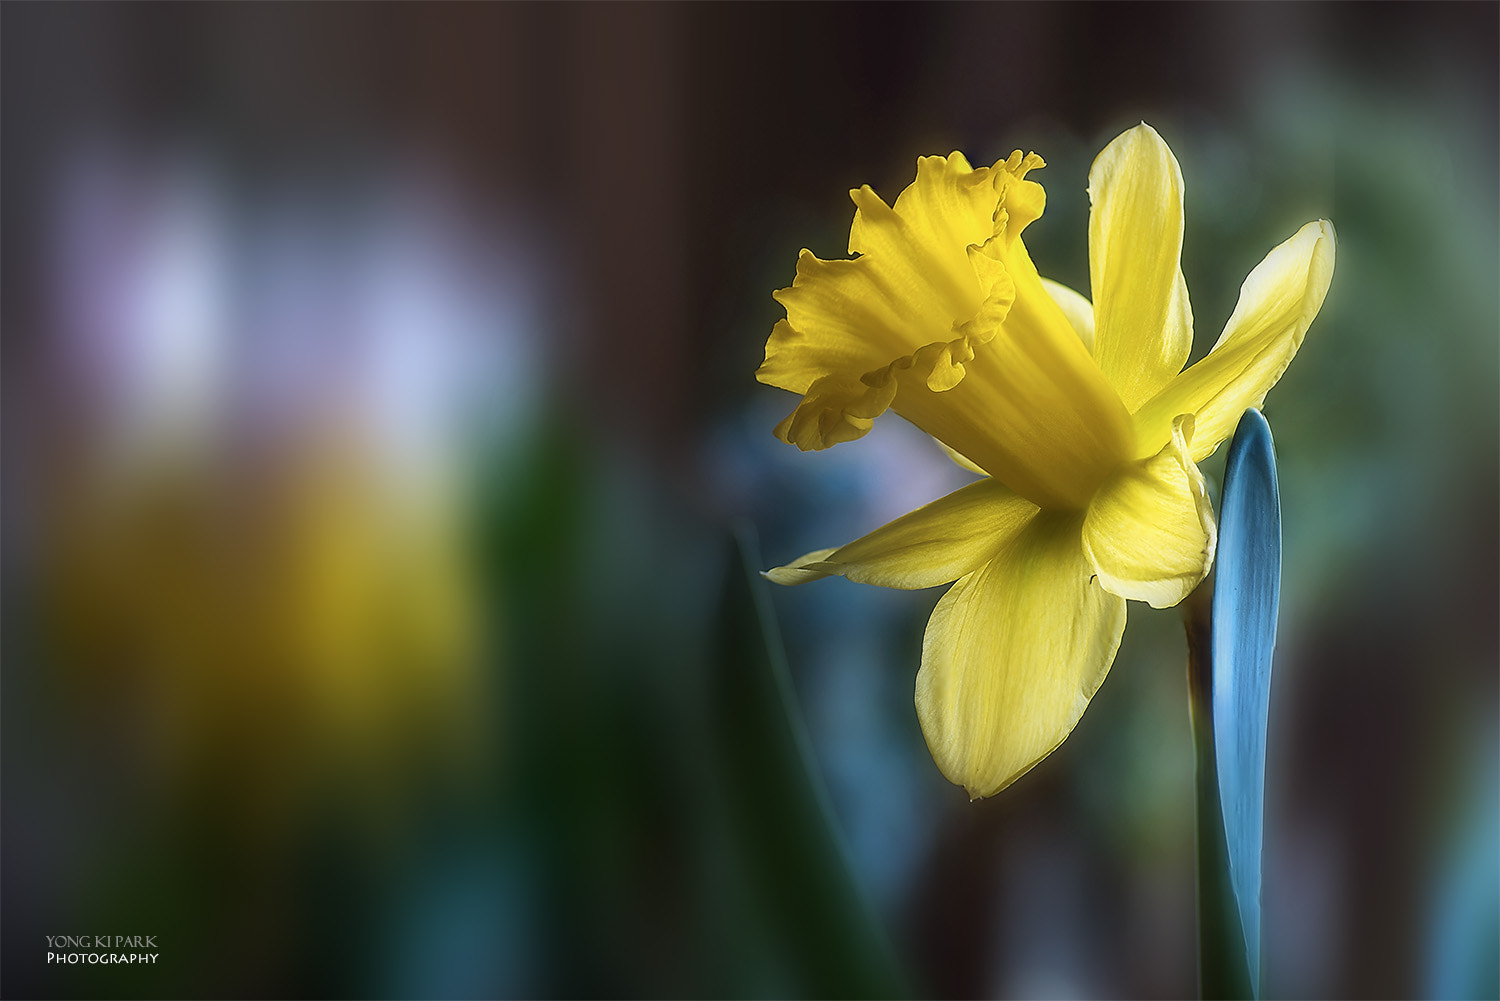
point(1222, 968)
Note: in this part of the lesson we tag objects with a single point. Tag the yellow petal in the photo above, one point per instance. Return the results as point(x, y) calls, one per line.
point(1078, 310)
point(1150, 531)
point(935, 544)
point(802, 569)
point(961, 460)
point(1012, 655)
point(1145, 324)
point(1277, 304)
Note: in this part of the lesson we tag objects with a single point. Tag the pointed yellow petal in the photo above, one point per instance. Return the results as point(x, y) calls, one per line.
point(1150, 531)
point(1145, 325)
point(961, 460)
point(1277, 304)
point(1012, 655)
point(1078, 310)
point(801, 570)
point(935, 544)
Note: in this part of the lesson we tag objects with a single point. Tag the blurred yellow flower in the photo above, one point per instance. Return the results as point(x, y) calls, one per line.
point(293, 628)
point(1080, 416)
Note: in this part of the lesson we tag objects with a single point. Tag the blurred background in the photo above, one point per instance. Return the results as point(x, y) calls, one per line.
point(383, 461)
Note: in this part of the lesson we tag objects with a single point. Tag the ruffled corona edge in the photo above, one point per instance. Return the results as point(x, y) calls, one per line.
point(839, 406)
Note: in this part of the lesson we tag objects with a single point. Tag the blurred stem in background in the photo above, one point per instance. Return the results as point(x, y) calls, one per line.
point(1222, 970)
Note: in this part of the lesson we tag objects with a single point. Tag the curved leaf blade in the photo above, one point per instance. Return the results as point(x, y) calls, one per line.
point(1246, 598)
point(800, 904)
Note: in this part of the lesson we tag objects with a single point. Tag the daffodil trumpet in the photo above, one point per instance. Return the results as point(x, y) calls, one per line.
point(1077, 413)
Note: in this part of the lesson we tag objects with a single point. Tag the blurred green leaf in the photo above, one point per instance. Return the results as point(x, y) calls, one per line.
point(800, 892)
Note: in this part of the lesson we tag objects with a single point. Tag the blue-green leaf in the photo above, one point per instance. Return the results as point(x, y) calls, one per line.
point(1246, 597)
point(799, 899)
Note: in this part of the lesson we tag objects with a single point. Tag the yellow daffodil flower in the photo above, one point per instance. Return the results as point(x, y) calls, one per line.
point(1080, 417)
